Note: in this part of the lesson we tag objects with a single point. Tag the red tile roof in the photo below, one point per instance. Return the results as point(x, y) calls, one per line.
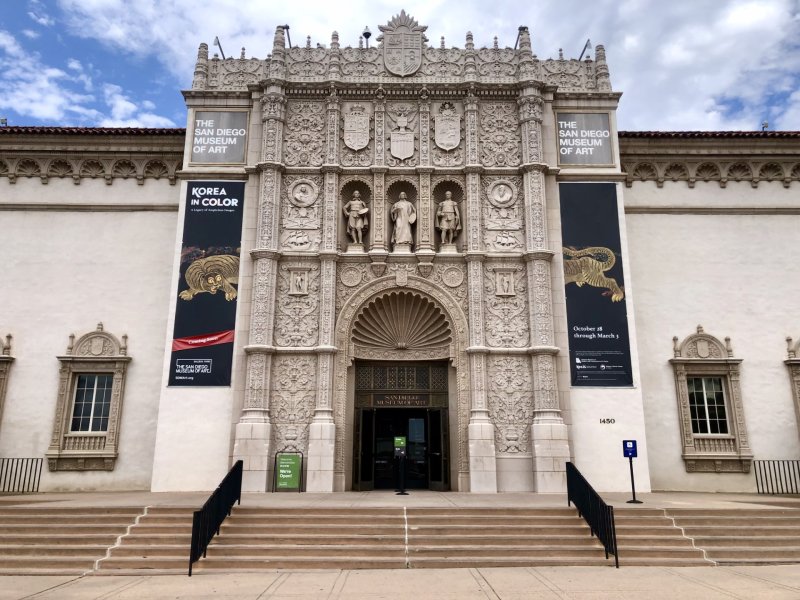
point(709, 134)
point(10, 130)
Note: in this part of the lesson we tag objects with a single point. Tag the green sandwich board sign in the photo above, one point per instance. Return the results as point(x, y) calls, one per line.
point(288, 472)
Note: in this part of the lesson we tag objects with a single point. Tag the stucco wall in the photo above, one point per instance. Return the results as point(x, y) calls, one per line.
point(65, 272)
point(736, 275)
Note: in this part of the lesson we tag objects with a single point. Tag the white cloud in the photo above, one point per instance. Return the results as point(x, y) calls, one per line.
point(34, 89)
point(682, 65)
point(41, 18)
point(30, 34)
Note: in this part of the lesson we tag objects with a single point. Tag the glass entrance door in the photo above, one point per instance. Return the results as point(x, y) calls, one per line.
point(406, 400)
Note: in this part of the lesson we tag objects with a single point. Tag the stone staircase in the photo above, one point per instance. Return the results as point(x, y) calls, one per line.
point(256, 538)
point(648, 537)
point(133, 540)
point(47, 540)
point(743, 536)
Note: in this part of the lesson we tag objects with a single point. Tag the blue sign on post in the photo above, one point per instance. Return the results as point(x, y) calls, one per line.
point(629, 448)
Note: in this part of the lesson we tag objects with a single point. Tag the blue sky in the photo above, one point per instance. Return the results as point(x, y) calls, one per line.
point(706, 64)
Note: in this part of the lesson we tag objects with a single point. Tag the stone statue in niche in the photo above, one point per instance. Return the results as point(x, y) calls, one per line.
point(403, 216)
point(448, 221)
point(504, 284)
point(356, 212)
point(298, 283)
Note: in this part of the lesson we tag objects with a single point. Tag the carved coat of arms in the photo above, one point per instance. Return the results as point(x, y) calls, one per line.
point(356, 127)
point(447, 125)
point(401, 141)
point(402, 44)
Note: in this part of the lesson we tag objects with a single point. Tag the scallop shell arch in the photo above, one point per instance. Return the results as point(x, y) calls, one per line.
point(401, 324)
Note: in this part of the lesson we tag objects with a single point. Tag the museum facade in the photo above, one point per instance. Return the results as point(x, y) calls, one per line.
point(351, 245)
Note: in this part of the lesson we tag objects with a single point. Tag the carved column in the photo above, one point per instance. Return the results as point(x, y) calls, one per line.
point(378, 249)
point(549, 434)
point(425, 249)
point(793, 362)
point(482, 461)
point(322, 431)
point(254, 431)
point(5, 366)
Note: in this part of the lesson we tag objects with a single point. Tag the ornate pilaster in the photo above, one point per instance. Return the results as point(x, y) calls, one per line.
point(793, 363)
point(254, 431)
point(483, 463)
point(549, 434)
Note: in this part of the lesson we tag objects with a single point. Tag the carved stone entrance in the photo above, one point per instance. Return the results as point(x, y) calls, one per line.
point(401, 399)
point(382, 323)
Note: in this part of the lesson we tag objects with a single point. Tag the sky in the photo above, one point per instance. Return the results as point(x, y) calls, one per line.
point(681, 65)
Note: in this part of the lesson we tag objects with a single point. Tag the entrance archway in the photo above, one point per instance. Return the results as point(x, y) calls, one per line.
point(410, 324)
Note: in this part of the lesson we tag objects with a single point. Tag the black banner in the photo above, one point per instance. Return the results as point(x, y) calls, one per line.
point(205, 313)
point(599, 348)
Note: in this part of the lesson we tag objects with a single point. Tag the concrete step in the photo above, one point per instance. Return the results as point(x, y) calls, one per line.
point(71, 511)
point(75, 530)
point(40, 550)
point(296, 551)
point(786, 553)
point(750, 541)
point(75, 519)
point(306, 539)
point(766, 521)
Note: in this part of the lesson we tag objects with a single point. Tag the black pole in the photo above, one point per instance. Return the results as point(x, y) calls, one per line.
point(633, 486)
point(402, 491)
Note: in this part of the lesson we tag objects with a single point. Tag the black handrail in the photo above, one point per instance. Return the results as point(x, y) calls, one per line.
point(777, 476)
point(207, 521)
point(20, 475)
point(597, 514)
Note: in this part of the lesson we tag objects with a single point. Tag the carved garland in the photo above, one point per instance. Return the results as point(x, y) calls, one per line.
point(793, 362)
point(108, 169)
point(719, 171)
point(5, 366)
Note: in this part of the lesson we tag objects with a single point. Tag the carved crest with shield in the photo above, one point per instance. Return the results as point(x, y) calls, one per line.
point(356, 127)
point(402, 39)
point(447, 125)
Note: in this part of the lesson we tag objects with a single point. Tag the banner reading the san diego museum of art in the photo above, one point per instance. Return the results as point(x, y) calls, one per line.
point(599, 348)
point(205, 311)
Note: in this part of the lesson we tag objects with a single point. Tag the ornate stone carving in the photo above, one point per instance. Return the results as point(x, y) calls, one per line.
point(304, 141)
point(296, 316)
point(502, 214)
point(293, 394)
point(351, 276)
point(499, 134)
point(496, 62)
point(301, 213)
point(443, 62)
point(234, 73)
point(506, 306)
point(5, 366)
point(355, 132)
point(403, 123)
point(510, 402)
point(303, 63)
point(402, 39)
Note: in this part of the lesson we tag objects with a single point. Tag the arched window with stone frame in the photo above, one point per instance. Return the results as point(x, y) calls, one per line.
point(707, 383)
point(89, 404)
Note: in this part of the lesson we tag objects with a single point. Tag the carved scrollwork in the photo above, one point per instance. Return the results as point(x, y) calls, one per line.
point(497, 62)
point(307, 62)
point(510, 402)
point(499, 130)
point(304, 141)
point(293, 398)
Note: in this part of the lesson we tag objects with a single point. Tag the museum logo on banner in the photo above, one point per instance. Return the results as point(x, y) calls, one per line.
point(597, 320)
point(205, 310)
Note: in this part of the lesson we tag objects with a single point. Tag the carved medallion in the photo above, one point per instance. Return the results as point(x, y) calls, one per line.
point(402, 140)
point(402, 45)
point(303, 193)
point(501, 194)
point(351, 276)
point(447, 126)
point(356, 127)
point(453, 276)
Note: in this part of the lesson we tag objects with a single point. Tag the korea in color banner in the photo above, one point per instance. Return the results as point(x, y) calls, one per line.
point(205, 312)
point(599, 348)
